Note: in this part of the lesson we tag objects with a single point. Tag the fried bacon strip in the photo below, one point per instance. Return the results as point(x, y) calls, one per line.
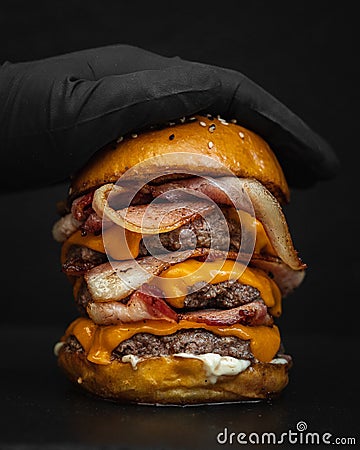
point(252, 314)
point(143, 304)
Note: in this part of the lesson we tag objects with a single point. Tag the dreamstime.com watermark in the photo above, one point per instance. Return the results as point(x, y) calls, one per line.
point(301, 435)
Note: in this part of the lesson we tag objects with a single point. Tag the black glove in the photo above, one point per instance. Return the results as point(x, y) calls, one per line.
point(55, 113)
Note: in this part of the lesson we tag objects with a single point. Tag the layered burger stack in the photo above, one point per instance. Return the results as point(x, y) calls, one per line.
point(179, 254)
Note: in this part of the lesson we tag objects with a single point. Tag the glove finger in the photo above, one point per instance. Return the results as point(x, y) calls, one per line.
point(85, 115)
point(304, 156)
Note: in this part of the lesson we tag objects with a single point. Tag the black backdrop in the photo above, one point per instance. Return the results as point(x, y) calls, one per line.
point(305, 53)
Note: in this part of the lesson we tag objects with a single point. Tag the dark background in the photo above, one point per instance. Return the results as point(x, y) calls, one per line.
point(304, 53)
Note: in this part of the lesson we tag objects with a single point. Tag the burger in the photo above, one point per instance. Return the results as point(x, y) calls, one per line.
point(179, 255)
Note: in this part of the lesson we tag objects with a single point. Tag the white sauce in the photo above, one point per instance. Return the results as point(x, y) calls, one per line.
point(132, 359)
point(216, 365)
point(57, 348)
point(278, 361)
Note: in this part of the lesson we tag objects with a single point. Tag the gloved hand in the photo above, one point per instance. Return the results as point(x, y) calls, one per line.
point(56, 112)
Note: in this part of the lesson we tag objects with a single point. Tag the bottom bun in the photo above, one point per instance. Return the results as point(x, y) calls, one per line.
point(172, 380)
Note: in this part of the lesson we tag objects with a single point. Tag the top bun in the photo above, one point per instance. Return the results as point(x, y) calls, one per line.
point(245, 153)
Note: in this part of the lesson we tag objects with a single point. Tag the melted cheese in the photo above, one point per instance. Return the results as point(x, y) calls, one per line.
point(89, 241)
point(276, 309)
point(120, 244)
point(174, 282)
point(99, 341)
point(262, 243)
point(123, 244)
point(247, 221)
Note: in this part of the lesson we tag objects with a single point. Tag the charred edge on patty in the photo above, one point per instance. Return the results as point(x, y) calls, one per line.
point(80, 259)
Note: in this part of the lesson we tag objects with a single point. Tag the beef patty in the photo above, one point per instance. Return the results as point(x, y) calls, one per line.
point(224, 295)
point(195, 341)
point(204, 232)
point(80, 259)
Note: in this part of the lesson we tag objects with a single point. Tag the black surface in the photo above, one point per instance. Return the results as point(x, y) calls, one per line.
point(305, 53)
point(40, 407)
